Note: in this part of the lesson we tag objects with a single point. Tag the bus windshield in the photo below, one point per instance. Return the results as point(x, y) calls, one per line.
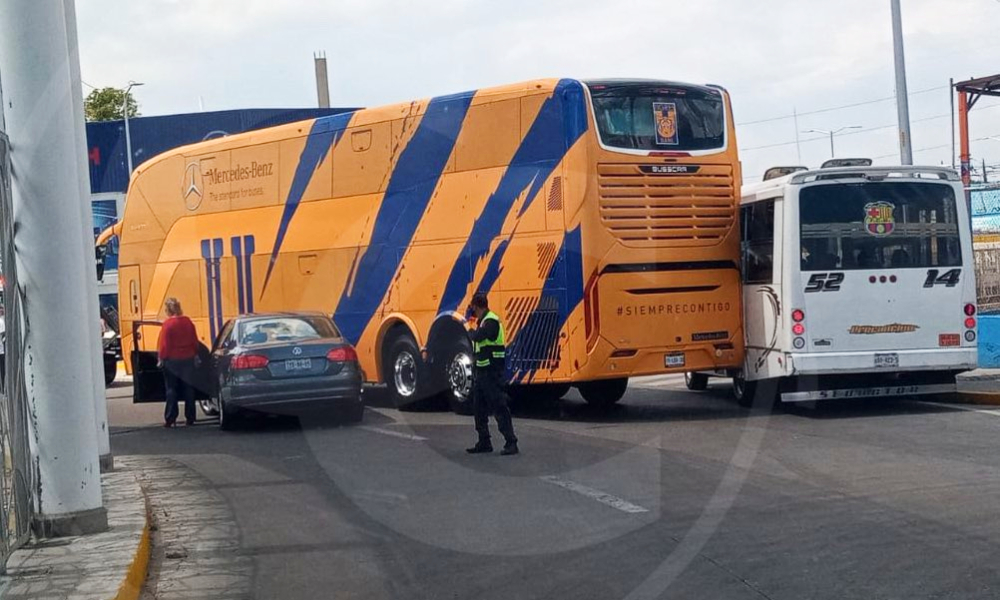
point(878, 225)
point(649, 116)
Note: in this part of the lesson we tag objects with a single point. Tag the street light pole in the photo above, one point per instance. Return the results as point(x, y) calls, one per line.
point(831, 133)
point(128, 136)
point(902, 100)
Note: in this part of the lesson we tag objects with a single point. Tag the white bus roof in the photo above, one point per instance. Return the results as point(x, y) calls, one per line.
point(773, 188)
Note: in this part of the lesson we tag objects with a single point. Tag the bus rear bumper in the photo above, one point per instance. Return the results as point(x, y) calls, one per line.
point(936, 359)
point(607, 361)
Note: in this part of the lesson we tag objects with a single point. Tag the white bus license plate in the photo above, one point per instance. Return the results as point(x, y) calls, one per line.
point(298, 364)
point(673, 360)
point(886, 361)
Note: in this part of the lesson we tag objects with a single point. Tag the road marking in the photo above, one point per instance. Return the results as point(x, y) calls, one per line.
point(985, 411)
point(602, 497)
point(389, 432)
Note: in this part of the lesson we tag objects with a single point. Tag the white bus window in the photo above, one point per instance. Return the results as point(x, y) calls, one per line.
point(758, 242)
point(879, 225)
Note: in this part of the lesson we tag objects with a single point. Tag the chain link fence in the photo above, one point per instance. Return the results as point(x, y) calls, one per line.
point(17, 481)
point(985, 203)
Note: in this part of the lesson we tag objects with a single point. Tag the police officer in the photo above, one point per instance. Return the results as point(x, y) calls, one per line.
point(489, 396)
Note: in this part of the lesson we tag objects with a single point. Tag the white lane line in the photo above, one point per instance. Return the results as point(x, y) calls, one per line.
point(389, 432)
point(602, 497)
point(985, 411)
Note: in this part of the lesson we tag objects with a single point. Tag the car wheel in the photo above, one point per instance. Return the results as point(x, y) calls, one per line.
point(458, 377)
point(230, 417)
point(208, 408)
point(405, 372)
point(696, 382)
point(603, 392)
point(110, 370)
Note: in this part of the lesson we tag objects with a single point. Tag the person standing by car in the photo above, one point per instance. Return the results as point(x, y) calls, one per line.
point(178, 350)
point(489, 396)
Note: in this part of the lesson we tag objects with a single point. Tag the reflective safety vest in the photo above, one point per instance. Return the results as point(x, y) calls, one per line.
point(489, 352)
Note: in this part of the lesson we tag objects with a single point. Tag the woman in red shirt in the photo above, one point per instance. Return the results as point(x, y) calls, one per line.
point(178, 349)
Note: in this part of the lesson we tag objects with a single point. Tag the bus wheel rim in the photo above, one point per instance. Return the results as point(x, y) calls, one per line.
point(460, 376)
point(405, 374)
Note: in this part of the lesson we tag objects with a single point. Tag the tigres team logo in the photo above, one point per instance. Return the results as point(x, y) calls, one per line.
point(665, 116)
point(879, 218)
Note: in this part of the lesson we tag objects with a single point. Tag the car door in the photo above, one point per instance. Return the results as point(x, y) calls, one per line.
point(222, 350)
point(147, 377)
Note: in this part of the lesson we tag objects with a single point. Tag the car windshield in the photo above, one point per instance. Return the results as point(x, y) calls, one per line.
point(285, 329)
point(879, 225)
point(658, 116)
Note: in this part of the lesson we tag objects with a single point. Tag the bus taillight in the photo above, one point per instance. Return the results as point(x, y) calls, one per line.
point(970, 309)
point(970, 323)
point(798, 316)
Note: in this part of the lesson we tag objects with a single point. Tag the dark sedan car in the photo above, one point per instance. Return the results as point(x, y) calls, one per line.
point(284, 363)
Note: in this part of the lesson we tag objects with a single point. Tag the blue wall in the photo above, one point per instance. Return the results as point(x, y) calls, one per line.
point(155, 135)
point(989, 341)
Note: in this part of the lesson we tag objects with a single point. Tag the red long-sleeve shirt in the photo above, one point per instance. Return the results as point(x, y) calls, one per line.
point(178, 339)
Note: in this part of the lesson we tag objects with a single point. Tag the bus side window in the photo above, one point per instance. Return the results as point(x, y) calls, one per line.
point(758, 242)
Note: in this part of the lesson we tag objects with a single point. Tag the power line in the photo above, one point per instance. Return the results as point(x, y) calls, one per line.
point(841, 107)
point(858, 131)
point(938, 147)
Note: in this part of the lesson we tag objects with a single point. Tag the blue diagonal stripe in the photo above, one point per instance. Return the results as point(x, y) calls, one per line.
point(410, 188)
point(560, 123)
point(323, 136)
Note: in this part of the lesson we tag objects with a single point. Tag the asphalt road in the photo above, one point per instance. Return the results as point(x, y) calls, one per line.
point(672, 494)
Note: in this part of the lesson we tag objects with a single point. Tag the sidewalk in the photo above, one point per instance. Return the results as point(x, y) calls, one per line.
point(981, 386)
point(103, 566)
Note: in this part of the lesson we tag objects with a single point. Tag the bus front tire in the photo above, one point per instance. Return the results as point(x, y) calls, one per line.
point(405, 372)
point(696, 382)
point(603, 392)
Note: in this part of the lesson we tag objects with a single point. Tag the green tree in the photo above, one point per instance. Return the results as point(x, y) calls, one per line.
point(106, 104)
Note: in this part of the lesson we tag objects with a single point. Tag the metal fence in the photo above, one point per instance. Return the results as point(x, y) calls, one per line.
point(18, 477)
point(985, 204)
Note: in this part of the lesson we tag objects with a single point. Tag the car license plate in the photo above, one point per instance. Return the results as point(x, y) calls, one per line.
point(674, 360)
point(298, 364)
point(884, 361)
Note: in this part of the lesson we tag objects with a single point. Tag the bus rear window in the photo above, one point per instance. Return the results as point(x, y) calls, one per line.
point(665, 117)
point(879, 225)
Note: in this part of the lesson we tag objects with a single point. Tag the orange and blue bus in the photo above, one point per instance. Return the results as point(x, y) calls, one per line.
point(600, 217)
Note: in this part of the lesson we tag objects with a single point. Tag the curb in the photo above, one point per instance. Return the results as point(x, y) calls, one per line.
point(982, 398)
point(131, 587)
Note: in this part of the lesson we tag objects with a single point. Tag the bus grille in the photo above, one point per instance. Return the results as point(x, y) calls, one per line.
point(641, 209)
point(533, 328)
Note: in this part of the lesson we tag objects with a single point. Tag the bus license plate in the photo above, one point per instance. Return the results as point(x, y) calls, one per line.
point(298, 364)
point(886, 361)
point(674, 360)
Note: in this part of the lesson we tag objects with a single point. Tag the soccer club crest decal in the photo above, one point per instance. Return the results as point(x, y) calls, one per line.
point(879, 218)
point(665, 118)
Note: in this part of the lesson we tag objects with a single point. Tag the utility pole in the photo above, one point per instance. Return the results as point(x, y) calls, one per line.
point(902, 99)
point(96, 343)
point(41, 119)
point(951, 96)
point(798, 145)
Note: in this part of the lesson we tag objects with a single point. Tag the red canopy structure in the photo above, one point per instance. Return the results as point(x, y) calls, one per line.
point(969, 92)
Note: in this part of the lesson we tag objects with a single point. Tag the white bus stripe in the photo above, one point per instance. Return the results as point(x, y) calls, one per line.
point(389, 432)
point(602, 497)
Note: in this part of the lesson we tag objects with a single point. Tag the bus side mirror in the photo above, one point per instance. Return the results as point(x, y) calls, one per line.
point(100, 252)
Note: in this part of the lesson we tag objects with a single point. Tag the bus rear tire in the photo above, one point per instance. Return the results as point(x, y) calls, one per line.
point(603, 392)
point(406, 374)
point(696, 382)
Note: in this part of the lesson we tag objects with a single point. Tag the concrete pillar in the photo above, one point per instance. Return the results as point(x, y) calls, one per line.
point(41, 120)
point(86, 215)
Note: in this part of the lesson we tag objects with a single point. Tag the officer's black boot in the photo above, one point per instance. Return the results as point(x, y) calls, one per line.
point(509, 449)
point(481, 447)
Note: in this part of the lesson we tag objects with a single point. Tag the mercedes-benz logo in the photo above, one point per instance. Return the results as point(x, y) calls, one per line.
point(296, 351)
point(191, 186)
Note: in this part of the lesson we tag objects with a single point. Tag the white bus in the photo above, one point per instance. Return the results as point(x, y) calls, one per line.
point(858, 282)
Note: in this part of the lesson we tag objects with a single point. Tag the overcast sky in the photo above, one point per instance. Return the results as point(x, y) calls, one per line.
point(775, 56)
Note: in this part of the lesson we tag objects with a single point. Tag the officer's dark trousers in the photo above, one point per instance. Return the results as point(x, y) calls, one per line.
point(490, 399)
